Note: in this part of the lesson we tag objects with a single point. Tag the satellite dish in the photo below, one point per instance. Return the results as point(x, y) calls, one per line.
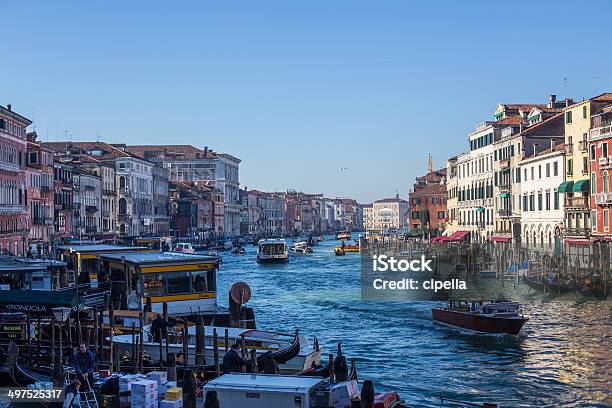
point(240, 293)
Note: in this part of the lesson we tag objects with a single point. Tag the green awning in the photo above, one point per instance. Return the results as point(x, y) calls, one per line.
point(566, 187)
point(504, 195)
point(479, 209)
point(581, 186)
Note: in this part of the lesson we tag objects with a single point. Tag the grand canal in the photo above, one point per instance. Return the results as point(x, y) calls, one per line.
point(561, 359)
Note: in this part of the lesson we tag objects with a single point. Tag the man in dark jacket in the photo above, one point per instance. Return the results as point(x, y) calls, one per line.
point(84, 363)
point(270, 366)
point(232, 360)
point(159, 328)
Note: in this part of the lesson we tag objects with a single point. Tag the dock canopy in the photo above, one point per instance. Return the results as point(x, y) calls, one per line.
point(566, 187)
point(458, 236)
point(581, 186)
point(501, 239)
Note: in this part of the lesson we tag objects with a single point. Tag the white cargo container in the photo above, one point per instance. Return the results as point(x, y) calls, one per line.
point(264, 391)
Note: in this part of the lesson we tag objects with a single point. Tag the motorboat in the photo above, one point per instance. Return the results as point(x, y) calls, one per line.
point(272, 251)
point(300, 248)
point(343, 235)
point(497, 317)
point(347, 248)
point(293, 352)
point(184, 248)
point(239, 251)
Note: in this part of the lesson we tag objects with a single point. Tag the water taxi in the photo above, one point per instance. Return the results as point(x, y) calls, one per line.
point(272, 251)
point(343, 235)
point(184, 247)
point(300, 248)
point(188, 283)
point(496, 317)
point(346, 249)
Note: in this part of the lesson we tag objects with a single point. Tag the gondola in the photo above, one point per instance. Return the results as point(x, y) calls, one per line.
point(323, 372)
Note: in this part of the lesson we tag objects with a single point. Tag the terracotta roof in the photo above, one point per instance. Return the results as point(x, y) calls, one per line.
point(525, 107)
point(367, 205)
point(110, 152)
point(512, 120)
point(557, 148)
point(430, 189)
point(606, 96)
point(391, 200)
point(188, 151)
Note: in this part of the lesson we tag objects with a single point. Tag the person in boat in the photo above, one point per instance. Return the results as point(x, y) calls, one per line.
point(270, 366)
point(232, 361)
point(159, 328)
point(84, 363)
point(71, 393)
point(199, 283)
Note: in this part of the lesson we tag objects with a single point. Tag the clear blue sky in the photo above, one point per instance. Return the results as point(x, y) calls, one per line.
point(298, 90)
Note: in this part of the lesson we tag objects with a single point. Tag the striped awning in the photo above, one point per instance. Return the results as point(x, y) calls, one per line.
point(566, 187)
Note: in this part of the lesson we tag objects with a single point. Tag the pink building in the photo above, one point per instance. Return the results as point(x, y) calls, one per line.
point(39, 202)
point(13, 215)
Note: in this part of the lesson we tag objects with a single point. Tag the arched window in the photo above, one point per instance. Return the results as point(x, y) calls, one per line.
point(605, 181)
point(593, 183)
point(122, 206)
point(122, 183)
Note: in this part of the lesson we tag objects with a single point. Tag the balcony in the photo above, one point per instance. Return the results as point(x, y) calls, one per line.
point(583, 145)
point(603, 161)
point(10, 209)
point(89, 187)
point(603, 198)
point(577, 202)
point(577, 232)
point(504, 212)
point(10, 167)
point(91, 208)
point(505, 186)
point(45, 189)
point(108, 192)
point(602, 131)
point(569, 148)
point(504, 163)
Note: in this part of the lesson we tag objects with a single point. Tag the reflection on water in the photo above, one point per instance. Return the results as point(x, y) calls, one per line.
point(562, 357)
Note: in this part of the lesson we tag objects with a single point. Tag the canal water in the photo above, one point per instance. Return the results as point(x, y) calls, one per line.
point(561, 359)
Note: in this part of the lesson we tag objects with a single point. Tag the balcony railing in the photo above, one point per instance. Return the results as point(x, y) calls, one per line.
point(583, 145)
point(10, 209)
point(89, 187)
point(505, 186)
point(603, 131)
point(504, 212)
point(577, 232)
point(91, 208)
point(569, 148)
point(603, 198)
point(504, 163)
point(10, 167)
point(577, 202)
point(108, 192)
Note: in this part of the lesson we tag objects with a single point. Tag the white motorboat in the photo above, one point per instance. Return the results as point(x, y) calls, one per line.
point(272, 251)
point(293, 352)
point(300, 248)
point(184, 248)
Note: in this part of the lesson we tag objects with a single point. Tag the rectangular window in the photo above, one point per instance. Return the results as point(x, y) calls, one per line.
point(568, 117)
point(592, 150)
point(605, 220)
point(585, 165)
point(532, 173)
point(531, 202)
point(593, 220)
point(604, 150)
point(547, 169)
point(177, 282)
point(548, 201)
point(540, 171)
point(584, 113)
point(153, 284)
point(570, 167)
point(555, 168)
point(441, 215)
point(539, 201)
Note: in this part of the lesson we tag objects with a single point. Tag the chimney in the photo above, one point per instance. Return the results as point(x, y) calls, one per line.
point(535, 149)
point(552, 144)
point(551, 101)
point(8, 106)
point(567, 102)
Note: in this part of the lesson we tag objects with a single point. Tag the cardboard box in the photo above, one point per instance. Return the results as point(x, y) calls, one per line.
point(174, 394)
point(171, 404)
point(159, 376)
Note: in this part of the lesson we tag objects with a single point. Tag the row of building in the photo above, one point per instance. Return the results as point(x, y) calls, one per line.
point(95, 190)
point(536, 173)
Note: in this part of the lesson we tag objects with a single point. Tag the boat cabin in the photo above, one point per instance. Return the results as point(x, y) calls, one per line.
point(188, 283)
point(153, 243)
point(84, 259)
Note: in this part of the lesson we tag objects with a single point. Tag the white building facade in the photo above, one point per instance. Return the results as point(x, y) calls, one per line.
point(542, 205)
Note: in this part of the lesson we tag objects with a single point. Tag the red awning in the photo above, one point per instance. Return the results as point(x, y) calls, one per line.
point(501, 239)
point(458, 236)
point(578, 241)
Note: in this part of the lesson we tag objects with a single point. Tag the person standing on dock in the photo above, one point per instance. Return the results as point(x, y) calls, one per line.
point(84, 363)
point(232, 360)
point(159, 328)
